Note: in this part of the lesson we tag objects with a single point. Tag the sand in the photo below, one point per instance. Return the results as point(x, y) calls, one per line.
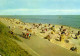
point(18, 27)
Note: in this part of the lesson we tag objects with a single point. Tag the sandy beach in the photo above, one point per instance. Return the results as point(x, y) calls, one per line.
point(64, 36)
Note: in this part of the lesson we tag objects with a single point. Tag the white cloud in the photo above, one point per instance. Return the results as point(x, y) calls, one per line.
point(38, 11)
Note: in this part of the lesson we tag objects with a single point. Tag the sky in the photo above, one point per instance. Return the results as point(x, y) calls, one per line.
point(39, 7)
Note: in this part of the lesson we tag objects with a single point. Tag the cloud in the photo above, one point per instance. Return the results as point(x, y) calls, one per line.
point(39, 11)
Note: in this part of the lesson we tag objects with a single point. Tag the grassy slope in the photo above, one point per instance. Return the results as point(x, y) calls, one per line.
point(7, 46)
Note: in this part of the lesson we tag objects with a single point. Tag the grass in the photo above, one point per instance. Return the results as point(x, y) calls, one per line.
point(7, 46)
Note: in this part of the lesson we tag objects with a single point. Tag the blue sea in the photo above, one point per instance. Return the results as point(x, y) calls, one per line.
point(69, 20)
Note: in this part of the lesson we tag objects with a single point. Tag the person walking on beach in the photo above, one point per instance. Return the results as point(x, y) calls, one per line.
point(29, 36)
point(61, 28)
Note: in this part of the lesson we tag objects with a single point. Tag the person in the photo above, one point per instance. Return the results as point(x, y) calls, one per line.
point(72, 31)
point(73, 48)
point(29, 36)
point(76, 37)
point(37, 26)
point(11, 32)
point(52, 28)
point(40, 24)
point(60, 38)
point(33, 24)
point(63, 32)
point(61, 28)
point(78, 32)
point(45, 29)
point(49, 24)
point(47, 37)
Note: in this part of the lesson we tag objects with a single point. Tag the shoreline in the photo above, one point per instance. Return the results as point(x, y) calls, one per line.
point(50, 32)
point(42, 23)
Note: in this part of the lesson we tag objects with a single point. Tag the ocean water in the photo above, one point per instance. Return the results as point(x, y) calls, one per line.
point(69, 20)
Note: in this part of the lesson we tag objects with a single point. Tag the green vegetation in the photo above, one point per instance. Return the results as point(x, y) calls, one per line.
point(7, 46)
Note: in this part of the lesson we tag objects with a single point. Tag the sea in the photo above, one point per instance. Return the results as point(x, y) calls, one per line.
point(68, 20)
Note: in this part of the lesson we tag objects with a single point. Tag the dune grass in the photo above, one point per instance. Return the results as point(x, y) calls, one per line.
point(7, 46)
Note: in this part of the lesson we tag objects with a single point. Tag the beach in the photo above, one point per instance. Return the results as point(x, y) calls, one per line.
point(63, 36)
